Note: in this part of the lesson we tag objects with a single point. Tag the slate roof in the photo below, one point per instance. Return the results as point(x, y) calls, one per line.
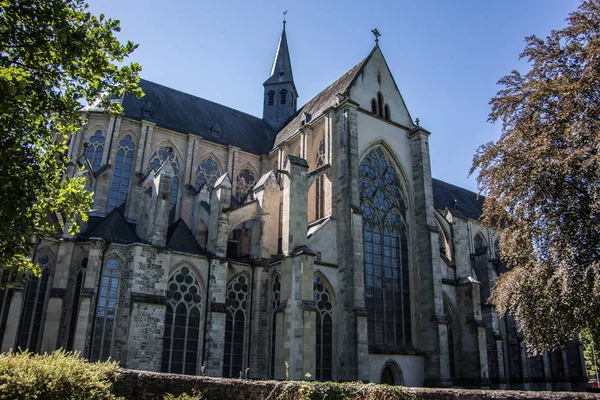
point(180, 238)
point(470, 205)
point(281, 71)
point(318, 104)
point(184, 113)
point(114, 227)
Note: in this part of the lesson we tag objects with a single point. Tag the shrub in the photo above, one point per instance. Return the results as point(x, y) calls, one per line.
point(60, 375)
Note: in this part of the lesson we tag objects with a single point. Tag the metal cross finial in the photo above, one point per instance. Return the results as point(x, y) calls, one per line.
point(377, 34)
point(417, 121)
point(285, 12)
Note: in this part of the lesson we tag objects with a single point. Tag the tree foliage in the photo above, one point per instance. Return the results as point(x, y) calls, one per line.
point(54, 57)
point(542, 182)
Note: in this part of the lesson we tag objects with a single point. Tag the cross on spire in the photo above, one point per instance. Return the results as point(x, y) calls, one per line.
point(376, 34)
point(285, 12)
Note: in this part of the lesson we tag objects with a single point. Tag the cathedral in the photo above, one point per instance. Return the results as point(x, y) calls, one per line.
point(311, 244)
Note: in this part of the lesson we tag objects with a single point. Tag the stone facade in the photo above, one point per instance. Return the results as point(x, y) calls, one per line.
point(313, 244)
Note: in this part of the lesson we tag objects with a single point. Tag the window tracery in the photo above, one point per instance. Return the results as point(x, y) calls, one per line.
point(324, 332)
point(320, 183)
point(207, 173)
point(245, 184)
point(34, 304)
point(106, 312)
point(157, 159)
point(275, 303)
point(235, 327)
point(387, 286)
point(181, 343)
point(95, 150)
point(122, 173)
point(79, 282)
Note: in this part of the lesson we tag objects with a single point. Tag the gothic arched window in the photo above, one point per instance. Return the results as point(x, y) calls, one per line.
point(157, 159)
point(207, 173)
point(245, 184)
point(283, 96)
point(236, 305)
point(275, 303)
point(106, 312)
point(387, 286)
point(380, 104)
point(374, 106)
point(34, 304)
point(478, 242)
point(324, 306)
point(122, 174)
point(95, 150)
point(181, 343)
point(271, 97)
point(320, 183)
point(6, 277)
point(79, 282)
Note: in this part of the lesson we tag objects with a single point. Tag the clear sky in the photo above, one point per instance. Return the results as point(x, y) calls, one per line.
point(446, 56)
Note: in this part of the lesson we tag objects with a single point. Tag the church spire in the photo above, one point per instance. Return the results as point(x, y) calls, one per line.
point(280, 90)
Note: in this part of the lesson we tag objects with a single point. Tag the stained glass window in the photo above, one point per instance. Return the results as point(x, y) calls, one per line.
point(106, 312)
point(324, 330)
point(320, 183)
point(35, 301)
point(235, 327)
point(245, 184)
point(95, 150)
point(275, 303)
point(207, 173)
point(181, 344)
point(387, 286)
point(157, 159)
point(79, 281)
point(122, 174)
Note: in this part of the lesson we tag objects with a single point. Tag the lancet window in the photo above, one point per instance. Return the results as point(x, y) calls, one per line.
point(236, 304)
point(275, 303)
point(79, 282)
point(106, 311)
point(320, 183)
point(35, 302)
point(181, 343)
point(207, 173)
point(283, 96)
point(95, 150)
point(245, 184)
point(387, 286)
point(157, 159)
point(380, 104)
point(122, 174)
point(324, 306)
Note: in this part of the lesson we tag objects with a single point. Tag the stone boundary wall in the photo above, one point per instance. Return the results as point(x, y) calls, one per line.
point(143, 385)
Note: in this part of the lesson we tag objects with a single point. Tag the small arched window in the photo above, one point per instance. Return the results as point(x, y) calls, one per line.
point(387, 112)
point(374, 106)
point(95, 150)
point(283, 96)
point(380, 104)
point(478, 242)
point(106, 312)
point(79, 281)
point(122, 174)
point(270, 97)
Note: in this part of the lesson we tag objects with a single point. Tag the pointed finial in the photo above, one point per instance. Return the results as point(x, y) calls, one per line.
point(377, 34)
point(418, 121)
point(285, 12)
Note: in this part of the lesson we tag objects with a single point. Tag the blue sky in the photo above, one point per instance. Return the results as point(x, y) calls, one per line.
point(446, 56)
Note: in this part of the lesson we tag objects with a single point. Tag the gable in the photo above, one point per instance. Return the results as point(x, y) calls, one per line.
point(366, 86)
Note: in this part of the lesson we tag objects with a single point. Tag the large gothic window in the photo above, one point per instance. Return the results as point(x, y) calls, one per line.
point(95, 150)
point(275, 303)
point(324, 330)
point(387, 287)
point(120, 181)
point(106, 312)
point(181, 344)
point(245, 184)
point(35, 301)
point(207, 173)
point(236, 305)
point(157, 159)
point(79, 282)
point(320, 183)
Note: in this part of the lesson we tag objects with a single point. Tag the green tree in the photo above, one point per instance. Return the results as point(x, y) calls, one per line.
point(591, 346)
point(542, 184)
point(54, 57)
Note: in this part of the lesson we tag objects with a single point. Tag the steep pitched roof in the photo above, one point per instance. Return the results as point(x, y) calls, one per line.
point(184, 113)
point(318, 104)
point(113, 227)
point(281, 72)
point(180, 238)
point(461, 202)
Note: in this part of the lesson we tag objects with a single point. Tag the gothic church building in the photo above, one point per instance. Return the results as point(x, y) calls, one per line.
point(313, 239)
